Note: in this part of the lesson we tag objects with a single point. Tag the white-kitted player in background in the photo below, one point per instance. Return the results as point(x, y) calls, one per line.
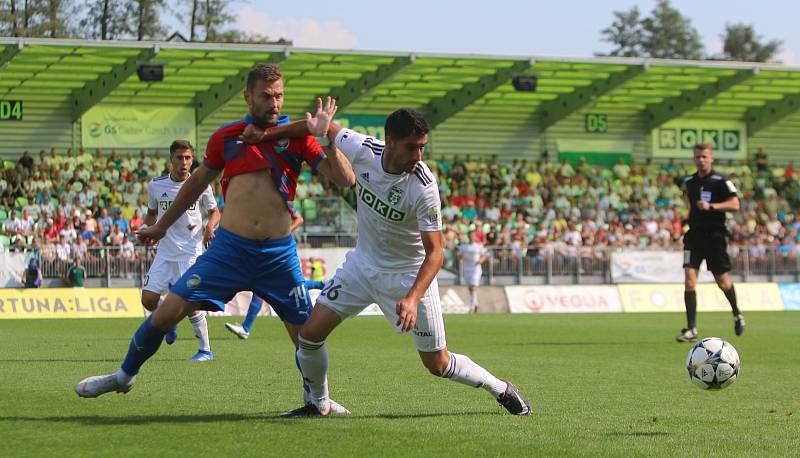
point(472, 256)
point(183, 243)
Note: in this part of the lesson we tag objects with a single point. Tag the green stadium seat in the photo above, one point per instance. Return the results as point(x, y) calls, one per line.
point(9, 165)
point(5, 240)
point(3, 214)
point(309, 209)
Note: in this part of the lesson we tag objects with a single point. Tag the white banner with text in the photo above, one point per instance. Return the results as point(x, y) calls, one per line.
point(563, 299)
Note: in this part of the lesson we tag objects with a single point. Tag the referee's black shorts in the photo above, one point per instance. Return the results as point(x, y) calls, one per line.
point(711, 246)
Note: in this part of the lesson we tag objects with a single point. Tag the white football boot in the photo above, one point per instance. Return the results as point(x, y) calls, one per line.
point(238, 330)
point(92, 387)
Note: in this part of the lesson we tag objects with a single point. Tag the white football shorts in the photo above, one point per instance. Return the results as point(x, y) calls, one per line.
point(356, 286)
point(164, 273)
point(472, 276)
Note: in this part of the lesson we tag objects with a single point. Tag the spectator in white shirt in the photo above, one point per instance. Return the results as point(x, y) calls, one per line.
point(12, 223)
point(26, 223)
point(63, 249)
point(68, 233)
point(315, 187)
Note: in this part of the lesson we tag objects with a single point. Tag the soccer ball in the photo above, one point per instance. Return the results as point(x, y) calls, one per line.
point(713, 364)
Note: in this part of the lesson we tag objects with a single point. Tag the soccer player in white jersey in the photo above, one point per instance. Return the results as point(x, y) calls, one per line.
point(399, 251)
point(472, 256)
point(183, 242)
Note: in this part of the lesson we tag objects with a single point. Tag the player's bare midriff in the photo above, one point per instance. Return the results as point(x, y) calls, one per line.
point(254, 209)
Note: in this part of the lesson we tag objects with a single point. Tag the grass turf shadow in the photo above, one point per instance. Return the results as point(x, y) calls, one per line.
point(104, 420)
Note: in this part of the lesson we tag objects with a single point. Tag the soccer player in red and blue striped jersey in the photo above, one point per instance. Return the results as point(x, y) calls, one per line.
point(252, 250)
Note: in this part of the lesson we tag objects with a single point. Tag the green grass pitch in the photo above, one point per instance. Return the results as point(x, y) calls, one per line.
point(600, 385)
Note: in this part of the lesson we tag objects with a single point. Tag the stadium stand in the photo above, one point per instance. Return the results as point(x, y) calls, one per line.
point(582, 211)
point(546, 210)
point(67, 205)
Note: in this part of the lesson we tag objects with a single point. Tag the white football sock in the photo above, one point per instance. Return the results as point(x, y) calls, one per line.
point(462, 369)
point(313, 360)
point(200, 328)
point(473, 299)
point(123, 377)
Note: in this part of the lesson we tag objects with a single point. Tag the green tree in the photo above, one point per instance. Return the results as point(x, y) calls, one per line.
point(666, 34)
point(38, 18)
point(215, 18)
point(21, 18)
point(740, 42)
point(9, 18)
point(146, 24)
point(237, 36)
point(625, 33)
point(193, 21)
point(105, 19)
point(670, 35)
point(57, 18)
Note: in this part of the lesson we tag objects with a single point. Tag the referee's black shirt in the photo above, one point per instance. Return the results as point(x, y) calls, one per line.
point(712, 188)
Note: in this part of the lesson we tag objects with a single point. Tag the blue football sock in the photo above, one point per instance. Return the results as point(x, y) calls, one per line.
point(252, 312)
point(144, 344)
point(312, 284)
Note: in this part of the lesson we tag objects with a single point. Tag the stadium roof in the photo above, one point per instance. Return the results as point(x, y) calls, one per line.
point(463, 87)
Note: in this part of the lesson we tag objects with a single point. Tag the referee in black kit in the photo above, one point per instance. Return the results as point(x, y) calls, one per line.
point(710, 196)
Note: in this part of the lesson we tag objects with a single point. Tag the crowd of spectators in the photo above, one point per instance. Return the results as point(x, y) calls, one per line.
point(69, 205)
point(584, 209)
point(66, 206)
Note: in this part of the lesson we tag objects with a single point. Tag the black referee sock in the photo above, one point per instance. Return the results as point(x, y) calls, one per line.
point(731, 295)
point(690, 299)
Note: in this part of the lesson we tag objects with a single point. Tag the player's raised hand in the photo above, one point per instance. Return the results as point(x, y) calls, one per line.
point(406, 313)
point(152, 233)
point(319, 123)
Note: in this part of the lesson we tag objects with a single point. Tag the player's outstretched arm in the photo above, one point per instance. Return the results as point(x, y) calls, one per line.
point(434, 260)
point(335, 166)
point(254, 134)
point(188, 194)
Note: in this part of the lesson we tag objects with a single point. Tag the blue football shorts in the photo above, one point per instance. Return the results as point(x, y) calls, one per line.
point(268, 268)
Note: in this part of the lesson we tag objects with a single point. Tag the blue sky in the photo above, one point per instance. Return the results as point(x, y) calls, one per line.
point(534, 27)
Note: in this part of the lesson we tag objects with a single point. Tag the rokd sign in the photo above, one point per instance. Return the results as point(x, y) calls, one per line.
point(728, 139)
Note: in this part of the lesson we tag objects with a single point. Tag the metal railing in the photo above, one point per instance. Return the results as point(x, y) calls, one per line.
point(505, 265)
point(509, 265)
point(103, 262)
point(326, 215)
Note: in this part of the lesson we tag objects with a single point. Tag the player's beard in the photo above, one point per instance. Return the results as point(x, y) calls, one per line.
point(268, 117)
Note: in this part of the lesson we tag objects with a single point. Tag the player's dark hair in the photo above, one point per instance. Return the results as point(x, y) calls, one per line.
point(701, 147)
point(180, 145)
point(263, 72)
point(404, 123)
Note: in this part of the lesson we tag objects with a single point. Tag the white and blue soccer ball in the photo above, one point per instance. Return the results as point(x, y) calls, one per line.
point(713, 364)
